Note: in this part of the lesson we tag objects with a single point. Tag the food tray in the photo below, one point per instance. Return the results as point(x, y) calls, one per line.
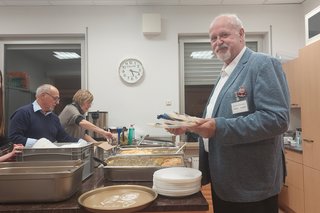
point(84, 153)
point(151, 143)
point(148, 151)
point(117, 199)
point(138, 167)
point(39, 181)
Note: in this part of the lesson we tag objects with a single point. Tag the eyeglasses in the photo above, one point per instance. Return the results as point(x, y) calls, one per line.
point(56, 99)
point(222, 35)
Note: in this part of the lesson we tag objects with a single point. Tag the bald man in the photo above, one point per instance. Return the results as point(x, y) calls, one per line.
point(37, 120)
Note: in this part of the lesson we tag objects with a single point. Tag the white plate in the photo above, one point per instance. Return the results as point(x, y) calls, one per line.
point(182, 117)
point(176, 193)
point(176, 186)
point(170, 125)
point(178, 175)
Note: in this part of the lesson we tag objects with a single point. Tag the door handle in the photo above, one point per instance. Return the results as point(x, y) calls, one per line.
point(308, 140)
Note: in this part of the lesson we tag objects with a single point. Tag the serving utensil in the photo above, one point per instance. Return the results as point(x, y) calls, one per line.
point(100, 161)
point(179, 150)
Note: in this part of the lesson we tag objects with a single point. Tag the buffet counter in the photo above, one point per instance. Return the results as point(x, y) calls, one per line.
point(193, 203)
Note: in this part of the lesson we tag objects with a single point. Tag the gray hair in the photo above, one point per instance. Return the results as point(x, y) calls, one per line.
point(43, 89)
point(234, 20)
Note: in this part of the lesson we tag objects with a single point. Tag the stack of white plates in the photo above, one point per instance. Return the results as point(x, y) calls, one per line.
point(177, 181)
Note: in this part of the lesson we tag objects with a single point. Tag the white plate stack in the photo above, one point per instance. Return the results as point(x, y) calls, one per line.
point(177, 181)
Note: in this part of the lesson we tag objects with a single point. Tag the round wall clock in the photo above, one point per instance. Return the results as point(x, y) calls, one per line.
point(131, 70)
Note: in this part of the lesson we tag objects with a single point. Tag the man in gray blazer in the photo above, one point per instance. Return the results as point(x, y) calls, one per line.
point(241, 146)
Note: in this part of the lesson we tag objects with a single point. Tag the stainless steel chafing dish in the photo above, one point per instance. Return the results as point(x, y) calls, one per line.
point(138, 167)
point(39, 181)
point(147, 141)
point(143, 146)
point(148, 151)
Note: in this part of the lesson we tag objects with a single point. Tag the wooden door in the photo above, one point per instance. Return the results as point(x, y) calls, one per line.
point(292, 70)
point(310, 104)
point(311, 189)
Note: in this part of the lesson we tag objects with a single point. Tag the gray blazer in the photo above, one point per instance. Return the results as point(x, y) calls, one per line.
point(245, 162)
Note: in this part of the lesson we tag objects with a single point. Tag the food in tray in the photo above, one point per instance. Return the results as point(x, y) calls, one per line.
point(136, 152)
point(145, 161)
point(171, 162)
point(146, 151)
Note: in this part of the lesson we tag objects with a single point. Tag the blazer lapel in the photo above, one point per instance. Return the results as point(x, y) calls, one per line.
point(237, 70)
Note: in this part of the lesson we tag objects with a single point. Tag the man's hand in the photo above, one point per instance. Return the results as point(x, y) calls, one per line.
point(177, 131)
point(204, 127)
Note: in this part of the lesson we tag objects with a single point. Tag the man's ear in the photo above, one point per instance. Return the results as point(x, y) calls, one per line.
point(241, 32)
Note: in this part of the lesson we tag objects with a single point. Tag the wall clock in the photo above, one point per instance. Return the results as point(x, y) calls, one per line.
point(131, 70)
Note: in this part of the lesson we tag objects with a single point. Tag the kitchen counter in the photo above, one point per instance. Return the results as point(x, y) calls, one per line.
point(195, 202)
point(294, 148)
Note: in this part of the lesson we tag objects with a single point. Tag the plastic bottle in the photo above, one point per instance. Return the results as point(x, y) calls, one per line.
point(119, 130)
point(130, 134)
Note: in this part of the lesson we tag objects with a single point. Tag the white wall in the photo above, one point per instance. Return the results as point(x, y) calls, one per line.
point(309, 5)
point(115, 33)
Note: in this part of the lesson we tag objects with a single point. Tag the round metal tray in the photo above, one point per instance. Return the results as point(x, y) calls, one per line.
point(118, 198)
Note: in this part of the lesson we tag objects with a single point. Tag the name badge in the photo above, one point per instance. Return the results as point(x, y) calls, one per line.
point(239, 107)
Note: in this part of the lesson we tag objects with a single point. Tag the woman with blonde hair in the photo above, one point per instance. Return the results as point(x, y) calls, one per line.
point(73, 119)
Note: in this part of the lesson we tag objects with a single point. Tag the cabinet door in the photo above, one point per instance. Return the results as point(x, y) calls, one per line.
point(293, 155)
point(297, 73)
point(295, 174)
point(311, 152)
point(310, 104)
point(292, 193)
point(293, 70)
point(311, 190)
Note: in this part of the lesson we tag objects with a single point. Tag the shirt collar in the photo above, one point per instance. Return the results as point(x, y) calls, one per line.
point(230, 67)
point(37, 107)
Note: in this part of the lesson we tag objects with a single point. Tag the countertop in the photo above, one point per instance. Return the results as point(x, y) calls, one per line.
point(195, 202)
point(296, 148)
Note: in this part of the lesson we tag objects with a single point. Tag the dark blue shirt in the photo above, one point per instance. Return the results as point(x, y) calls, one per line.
point(26, 123)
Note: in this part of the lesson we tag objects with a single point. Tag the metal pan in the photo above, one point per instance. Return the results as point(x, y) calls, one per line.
point(138, 167)
point(149, 151)
point(117, 199)
point(39, 181)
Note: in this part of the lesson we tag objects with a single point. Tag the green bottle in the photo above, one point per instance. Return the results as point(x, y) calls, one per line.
point(130, 134)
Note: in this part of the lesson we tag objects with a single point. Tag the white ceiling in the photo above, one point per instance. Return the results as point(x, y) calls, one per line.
point(142, 2)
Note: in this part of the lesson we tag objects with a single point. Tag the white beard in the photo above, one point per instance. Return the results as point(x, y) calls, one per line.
point(224, 56)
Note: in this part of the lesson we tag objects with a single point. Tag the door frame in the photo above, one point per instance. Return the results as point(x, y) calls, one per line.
point(80, 39)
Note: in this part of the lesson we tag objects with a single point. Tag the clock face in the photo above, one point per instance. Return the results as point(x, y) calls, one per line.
point(131, 70)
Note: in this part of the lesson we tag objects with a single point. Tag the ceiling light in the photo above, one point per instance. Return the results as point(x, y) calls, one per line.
point(66, 55)
point(205, 55)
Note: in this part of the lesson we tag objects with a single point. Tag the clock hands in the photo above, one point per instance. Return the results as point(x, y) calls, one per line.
point(132, 71)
